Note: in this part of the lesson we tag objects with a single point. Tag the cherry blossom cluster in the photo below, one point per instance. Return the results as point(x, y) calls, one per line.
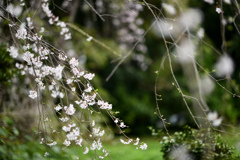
point(55, 20)
point(34, 63)
point(54, 73)
point(142, 146)
point(130, 31)
point(128, 25)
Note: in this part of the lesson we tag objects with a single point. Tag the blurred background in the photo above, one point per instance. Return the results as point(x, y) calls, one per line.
point(131, 88)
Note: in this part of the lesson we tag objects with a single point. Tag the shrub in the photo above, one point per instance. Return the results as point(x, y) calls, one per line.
point(196, 144)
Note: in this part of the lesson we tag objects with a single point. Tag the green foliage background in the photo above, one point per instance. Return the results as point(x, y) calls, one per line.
point(130, 89)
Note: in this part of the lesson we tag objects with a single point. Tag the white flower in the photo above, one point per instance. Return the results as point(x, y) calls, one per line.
point(46, 154)
point(169, 8)
point(122, 125)
point(200, 33)
point(89, 76)
point(143, 146)
point(83, 104)
point(58, 108)
point(71, 136)
point(70, 110)
point(30, 23)
point(19, 66)
point(76, 131)
point(46, 9)
point(37, 62)
point(127, 142)
point(90, 99)
point(76, 72)
point(66, 143)
point(64, 30)
point(224, 66)
point(93, 146)
point(136, 142)
point(185, 51)
point(78, 102)
point(72, 125)
point(96, 145)
point(21, 32)
point(15, 10)
point(52, 144)
point(69, 81)
point(106, 153)
point(86, 150)
point(46, 70)
point(73, 62)
point(61, 95)
point(93, 123)
point(214, 119)
point(89, 39)
point(101, 133)
point(26, 47)
point(227, 1)
point(61, 24)
point(62, 57)
point(57, 72)
point(54, 83)
point(64, 119)
point(104, 105)
point(212, 116)
point(79, 142)
point(41, 85)
point(43, 51)
point(218, 10)
point(191, 19)
point(13, 52)
point(209, 1)
point(67, 36)
point(97, 132)
point(66, 129)
point(51, 21)
point(89, 89)
point(100, 102)
point(32, 94)
point(217, 122)
point(55, 94)
point(42, 30)
point(116, 120)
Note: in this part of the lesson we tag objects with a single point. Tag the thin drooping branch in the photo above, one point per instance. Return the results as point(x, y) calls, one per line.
point(129, 53)
point(170, 64)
